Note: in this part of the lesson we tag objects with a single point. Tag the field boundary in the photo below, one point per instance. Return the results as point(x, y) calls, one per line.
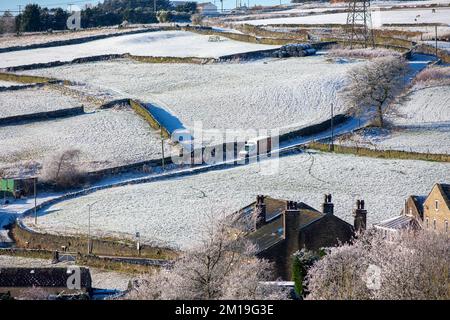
point(380, 153)
point(27, 239)
point(42, 116)
point(243, 37)
point(10, 77)
point(22, 87)
point(443, 55)
point(59, 43)
point(315, 128)
point(142, 111)
point(82, 259)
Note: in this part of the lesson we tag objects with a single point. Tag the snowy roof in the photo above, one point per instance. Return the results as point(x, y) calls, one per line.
point(398, 223)
point(41, 277)
point(272, 232)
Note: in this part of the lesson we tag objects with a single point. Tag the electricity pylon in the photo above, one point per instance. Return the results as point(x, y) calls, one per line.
point(359, 24)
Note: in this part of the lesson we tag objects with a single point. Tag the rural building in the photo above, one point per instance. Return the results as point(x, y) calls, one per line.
point(53, 281)
point(207, 8)
point(279, 228)
point(430, 212)
point(17, 187)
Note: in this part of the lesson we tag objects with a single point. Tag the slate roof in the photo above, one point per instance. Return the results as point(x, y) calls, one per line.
point(272, 232)
point(398, 223)
point(418, 202)
point(274, 208)
point(41, 277)
point(445, 191)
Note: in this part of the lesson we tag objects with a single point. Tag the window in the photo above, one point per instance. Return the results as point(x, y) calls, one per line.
point(434, 224)
point(410, 212)
point(436, 204)
point(427, 222)
point(446, 226)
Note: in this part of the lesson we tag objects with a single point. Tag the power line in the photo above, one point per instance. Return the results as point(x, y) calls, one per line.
point(49, 5)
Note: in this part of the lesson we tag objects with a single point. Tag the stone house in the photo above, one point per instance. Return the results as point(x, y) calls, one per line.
point(52, 281)
point(207, 8)
point(431, 212)
point(279, 228)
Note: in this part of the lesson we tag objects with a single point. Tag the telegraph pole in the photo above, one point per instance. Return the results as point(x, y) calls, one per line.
point(162, 149)
point(332, 129)
point(35, 200)
point(436, 40)
point(154, 6)
point(20, 20)
point(89, 228)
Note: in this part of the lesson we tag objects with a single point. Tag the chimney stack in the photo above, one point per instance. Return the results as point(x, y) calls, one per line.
point(291, 221)
point(360, 217)
point(291, 231)
point(260, 212)
point(327, 206)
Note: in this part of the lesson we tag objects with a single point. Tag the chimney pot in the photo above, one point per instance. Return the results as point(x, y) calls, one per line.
point(328, 206)
point(259, 215)
point(360, 217)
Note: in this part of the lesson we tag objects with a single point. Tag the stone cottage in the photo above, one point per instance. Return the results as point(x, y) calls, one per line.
point(279, 228)
point(431, 212)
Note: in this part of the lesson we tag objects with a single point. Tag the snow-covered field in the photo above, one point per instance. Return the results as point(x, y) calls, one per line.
point(176, 211)
point(161, 43)
point(397, 16)
point(105, 138)
point(261, 94)
point(25, 39)
point(441, 44)
point(14, 103)
point(420, 123)
point(423, 140)
point(424, 107)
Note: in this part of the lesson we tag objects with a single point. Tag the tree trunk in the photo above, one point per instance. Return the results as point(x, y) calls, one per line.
point(380, 116)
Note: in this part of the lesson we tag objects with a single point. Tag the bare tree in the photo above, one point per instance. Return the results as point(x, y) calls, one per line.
point(196, 19)
point(62, 170)
point(224, 266)
point(7, 23)
point(374, 85)
point(414, 265)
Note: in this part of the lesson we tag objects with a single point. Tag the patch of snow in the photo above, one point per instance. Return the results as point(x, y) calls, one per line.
point(105, 138)
point(265, 94)
point(398, 16)
point(423, 107)
point(440, 44)
point(161, 43)
point(423, 140)
point(14, 103)
point(26, 39)
point(176, 211)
